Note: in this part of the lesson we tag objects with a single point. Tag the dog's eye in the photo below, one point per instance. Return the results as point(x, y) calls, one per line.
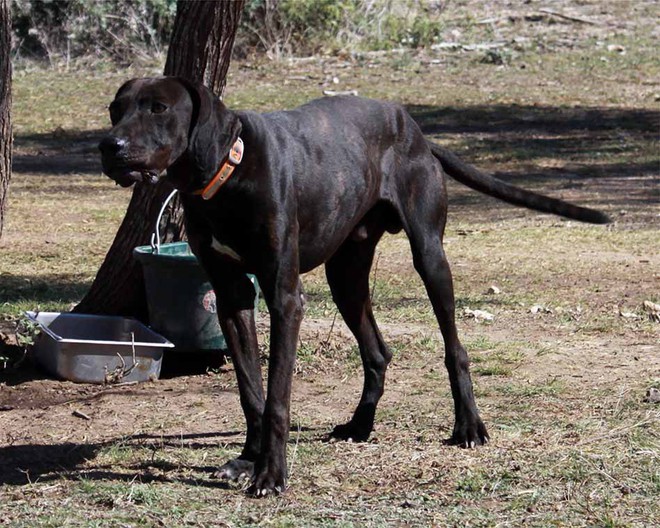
point(157, 108)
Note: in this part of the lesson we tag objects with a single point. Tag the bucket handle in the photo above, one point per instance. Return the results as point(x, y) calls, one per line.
point(155, 237)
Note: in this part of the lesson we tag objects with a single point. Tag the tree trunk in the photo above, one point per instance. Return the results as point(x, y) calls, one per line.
point(5, 106)
point(200, 50)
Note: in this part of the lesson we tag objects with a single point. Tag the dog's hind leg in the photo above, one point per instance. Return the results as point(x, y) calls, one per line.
point(432, 265)
point(348, 276)
point(423, 216)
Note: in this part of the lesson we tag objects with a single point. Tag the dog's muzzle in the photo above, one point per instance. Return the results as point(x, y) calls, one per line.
point(117, 167)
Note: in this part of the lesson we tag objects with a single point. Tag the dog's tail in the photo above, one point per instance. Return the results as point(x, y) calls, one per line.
point(477, 180)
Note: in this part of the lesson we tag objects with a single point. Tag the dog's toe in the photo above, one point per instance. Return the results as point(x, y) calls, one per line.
point(266, 484)
point(350, 432)
point(234, 470)
point(469, 435)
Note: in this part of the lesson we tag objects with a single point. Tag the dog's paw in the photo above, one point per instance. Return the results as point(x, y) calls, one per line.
point(469, 435)
point(351, 432)
point(267, 483)
point(234, 470)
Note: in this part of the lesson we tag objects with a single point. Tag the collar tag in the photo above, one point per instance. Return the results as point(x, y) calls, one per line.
point(236, 152)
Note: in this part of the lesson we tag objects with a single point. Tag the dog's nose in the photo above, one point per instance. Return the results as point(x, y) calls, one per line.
point(111, 144)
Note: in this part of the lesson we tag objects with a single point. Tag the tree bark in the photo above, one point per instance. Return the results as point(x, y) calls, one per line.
point(6, 138)
point(200, 50)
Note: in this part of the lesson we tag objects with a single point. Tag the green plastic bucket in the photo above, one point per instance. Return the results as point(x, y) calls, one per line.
point(180, 298)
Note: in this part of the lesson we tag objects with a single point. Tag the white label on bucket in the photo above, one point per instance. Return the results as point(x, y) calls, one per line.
point(209, 302)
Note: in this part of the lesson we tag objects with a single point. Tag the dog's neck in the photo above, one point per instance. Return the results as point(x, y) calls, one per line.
point(225, 171)
point(211, 157)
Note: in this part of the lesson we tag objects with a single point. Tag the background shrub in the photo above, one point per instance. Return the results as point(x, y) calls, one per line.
point(126, 30)
point(123, 30)
point(311, 26)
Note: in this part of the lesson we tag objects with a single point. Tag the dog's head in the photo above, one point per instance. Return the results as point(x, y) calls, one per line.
point(159, 122)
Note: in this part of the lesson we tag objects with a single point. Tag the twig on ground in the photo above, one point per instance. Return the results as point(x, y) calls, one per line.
point(80, 414)
point(295, 452)
point(552, 12)
point(326, 342)
point(373, 288)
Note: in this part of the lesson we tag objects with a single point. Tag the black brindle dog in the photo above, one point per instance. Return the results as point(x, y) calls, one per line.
point(319, 184)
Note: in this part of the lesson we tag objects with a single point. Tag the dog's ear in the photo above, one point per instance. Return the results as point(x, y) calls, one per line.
point(125, 87)
point(213, 129)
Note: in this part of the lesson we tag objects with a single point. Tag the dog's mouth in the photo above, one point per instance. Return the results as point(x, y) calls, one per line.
point(126, 176)
point(131, 168)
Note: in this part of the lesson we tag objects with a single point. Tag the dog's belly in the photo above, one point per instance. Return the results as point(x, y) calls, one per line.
point(320, 237)
point(326, 219)
point(314, 255)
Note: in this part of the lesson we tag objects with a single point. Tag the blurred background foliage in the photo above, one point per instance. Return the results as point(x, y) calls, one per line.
point(66, 31)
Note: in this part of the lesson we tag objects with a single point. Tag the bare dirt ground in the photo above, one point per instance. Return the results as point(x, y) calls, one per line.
point(560, 373)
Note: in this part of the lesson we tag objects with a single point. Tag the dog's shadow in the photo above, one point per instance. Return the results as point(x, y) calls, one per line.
point(32, 463)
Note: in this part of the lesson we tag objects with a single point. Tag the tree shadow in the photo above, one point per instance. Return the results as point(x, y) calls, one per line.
point(27, 371)
point(48, 288)
point(609, 148)
point(528, 120)
point(60, 152)
point(30, 463)
point(56, 164)
point(608, 156)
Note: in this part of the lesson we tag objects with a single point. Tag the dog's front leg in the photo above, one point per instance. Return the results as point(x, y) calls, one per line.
point(235, 297)
point(282, 293)
point(237, 323)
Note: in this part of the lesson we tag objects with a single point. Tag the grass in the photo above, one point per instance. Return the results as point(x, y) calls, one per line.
point(573, 442)
point(602, 471)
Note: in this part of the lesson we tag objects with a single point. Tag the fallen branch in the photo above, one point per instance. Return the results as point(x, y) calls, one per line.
point(552, 12)
point(120, 371)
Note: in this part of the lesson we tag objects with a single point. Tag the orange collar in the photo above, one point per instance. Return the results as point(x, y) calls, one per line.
point(224, 172)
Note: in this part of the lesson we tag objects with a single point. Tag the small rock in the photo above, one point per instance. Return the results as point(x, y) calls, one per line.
point(479, 315)
point(652, 395)
point(537, 308)
point(617, 47)
point(494, 290)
